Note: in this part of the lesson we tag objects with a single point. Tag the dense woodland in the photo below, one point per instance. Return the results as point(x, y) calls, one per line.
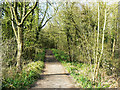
point(82, 35)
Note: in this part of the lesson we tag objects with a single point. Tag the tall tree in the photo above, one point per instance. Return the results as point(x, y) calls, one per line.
point(17, 24)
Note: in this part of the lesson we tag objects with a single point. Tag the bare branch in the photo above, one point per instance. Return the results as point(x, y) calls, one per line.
point(44, 15)
point(41, 26)
point(46, 22)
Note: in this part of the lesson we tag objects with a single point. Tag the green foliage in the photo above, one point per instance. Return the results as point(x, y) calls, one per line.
point(25, 78)
point(76, 26)
point(9, 52)
point(60, 55)
point(30, 72)
point(81, 72)
point(73, 30)
point(40, 55)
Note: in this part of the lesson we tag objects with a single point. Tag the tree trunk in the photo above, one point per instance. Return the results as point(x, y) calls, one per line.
point(113, 49)
point(69, 49)
point(96, 60)
point(18, 31)
point(19, 52)
point(102, 42)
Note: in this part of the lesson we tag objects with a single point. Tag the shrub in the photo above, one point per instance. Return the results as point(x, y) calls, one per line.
point(40, 55)
point(25, 78)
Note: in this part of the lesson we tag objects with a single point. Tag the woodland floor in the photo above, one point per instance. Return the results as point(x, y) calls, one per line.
point(54, 75)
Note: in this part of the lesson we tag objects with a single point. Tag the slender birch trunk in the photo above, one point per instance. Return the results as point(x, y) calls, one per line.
point(96, 60)
point(102, 43)
point(94, 48)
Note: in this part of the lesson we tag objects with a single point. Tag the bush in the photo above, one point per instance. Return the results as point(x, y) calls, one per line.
point(60, 55)
point(24, 79)
point(40, 55)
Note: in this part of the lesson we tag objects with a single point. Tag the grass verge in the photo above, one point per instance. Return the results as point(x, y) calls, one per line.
point(82, 72)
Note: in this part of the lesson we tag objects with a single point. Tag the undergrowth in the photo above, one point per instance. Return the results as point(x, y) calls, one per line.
point(29, 74)
point(81, 72)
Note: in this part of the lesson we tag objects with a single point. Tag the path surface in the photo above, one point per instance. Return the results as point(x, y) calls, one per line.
point(54, 75)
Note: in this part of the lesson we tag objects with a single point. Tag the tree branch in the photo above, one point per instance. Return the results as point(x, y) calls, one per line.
point(23, 19)
point(13, 23)
point(46, 22)
point(44, 15)
point(5, 10)
point(24, 6)
point(15, 12)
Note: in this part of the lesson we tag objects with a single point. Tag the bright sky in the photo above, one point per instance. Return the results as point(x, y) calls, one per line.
point(81, 0)
point(111, 1)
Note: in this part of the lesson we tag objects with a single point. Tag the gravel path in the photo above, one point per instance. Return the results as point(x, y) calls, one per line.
point(54, 75)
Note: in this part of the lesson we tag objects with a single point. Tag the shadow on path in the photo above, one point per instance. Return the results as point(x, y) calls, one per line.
point(54, 75)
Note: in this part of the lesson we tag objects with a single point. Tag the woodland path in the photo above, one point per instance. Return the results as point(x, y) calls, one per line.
point(54, 75)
